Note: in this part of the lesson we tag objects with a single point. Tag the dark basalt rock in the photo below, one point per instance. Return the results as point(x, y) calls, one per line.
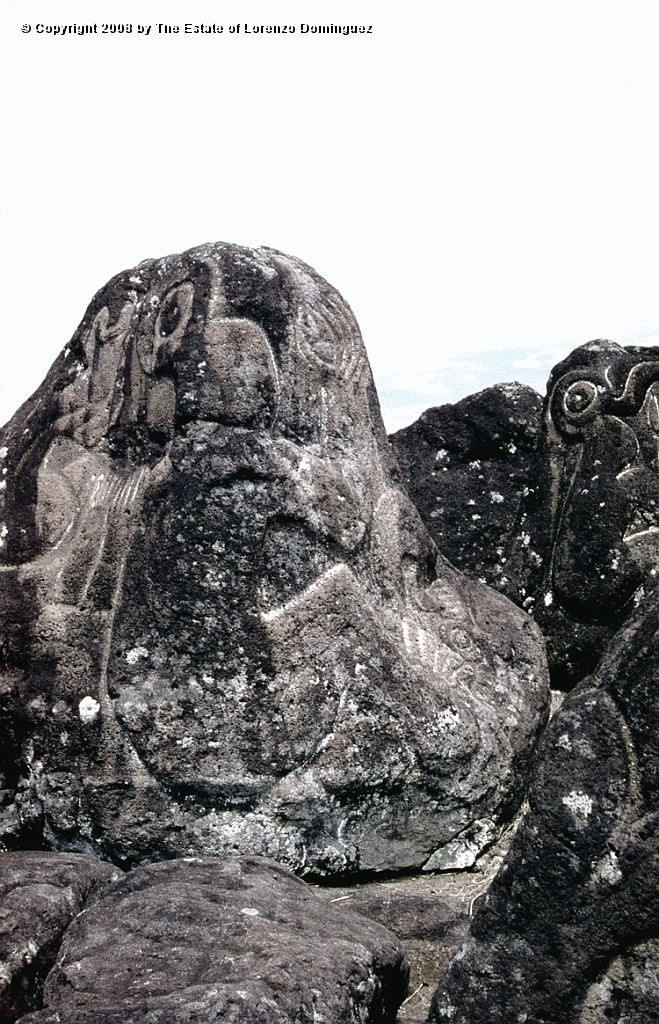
point(578, 893)
point(467, 467)
point(225, 628)
point(557, 508)
point(588, 547)
point(628, 991)
point(40, 894)
point(235, 939)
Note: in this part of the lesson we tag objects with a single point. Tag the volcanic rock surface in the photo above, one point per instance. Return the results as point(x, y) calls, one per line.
point(238, 939)
point(224, 627)
point(40, 894)
point(557, 507)
point(568, 928)
point(587, 550)
point(467, 468)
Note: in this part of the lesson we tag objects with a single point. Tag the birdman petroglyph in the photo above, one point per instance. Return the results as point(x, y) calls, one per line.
point(225, 628)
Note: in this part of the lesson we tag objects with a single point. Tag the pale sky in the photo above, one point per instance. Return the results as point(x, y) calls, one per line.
point(478, 179)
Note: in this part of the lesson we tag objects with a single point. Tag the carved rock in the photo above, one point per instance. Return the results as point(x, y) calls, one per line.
point(225, 629)
point(466, 467)
point(236, 939)
point(40, 894)
point(557, 508)
point(578, 893)
point(588, 547)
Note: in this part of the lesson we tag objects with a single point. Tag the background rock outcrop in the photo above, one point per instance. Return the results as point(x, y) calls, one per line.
point(467, 468)
point(587, 549)
point(555, 505)
point(225, 628)
point(568, 928)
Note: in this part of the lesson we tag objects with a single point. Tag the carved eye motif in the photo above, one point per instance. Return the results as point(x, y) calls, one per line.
point(581, 401)
point(174, 312)
point(653, 412)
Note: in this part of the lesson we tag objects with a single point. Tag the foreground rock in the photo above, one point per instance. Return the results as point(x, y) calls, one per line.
point(237, 939)
point(40, 894)
point(577, 900)
point(224, 627)
point(467, 469)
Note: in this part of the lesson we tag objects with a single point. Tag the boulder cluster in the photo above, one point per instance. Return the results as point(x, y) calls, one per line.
point(254, 653)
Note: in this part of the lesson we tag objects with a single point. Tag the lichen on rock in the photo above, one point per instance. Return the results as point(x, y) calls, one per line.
point(225, 628)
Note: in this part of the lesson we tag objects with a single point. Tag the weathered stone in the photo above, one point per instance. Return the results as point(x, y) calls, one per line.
point(429, 913)
point(628, 991)
point(580, 885)
point(40, 894)
point(466, 467)
point(234, 939)
point(224, 627)
point(588, 547)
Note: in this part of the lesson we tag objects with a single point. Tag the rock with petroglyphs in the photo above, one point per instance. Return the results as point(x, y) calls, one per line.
point(225, 628)
point(554, 505)
point(568, 931)
point(587, 547)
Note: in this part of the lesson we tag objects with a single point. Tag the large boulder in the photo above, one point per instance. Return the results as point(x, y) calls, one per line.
point(587, 548)
point(569, 927)
point(555, 505)
point(225, 628)
point(40, 894)
point(238, 939)
point(467, 468)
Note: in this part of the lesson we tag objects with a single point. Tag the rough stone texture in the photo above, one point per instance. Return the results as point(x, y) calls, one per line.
point(40, 894)
point(628, 991)
point(580, 885)
point(588, 546)
point(225, 629)
point(429, 913)
point(466, 467)
point(557, 507)
point(235, 939)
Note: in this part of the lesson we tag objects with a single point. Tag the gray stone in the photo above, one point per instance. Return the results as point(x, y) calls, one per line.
point(628, 990)
point(587, 549)
point(40, 894)
point(225, 628)
point(579, 888)
point(234, 939)
point(467, 468)
point(554, 505)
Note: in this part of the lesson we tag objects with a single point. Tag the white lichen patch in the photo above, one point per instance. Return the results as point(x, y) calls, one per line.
point(608, 870)
point(88, 709)
point(564, 742)
point(496, 498)
point(250, 912)
point(3, 533)
point(549, 599)
point(580, 804)
point(133, 656)
point(448, 719)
